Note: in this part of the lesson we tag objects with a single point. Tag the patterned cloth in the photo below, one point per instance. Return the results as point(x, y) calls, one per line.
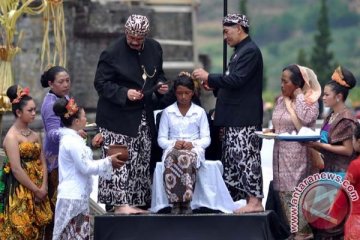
point(341, 129)
point(233, 18)
point(242, 162)
point(129, 184)
point(77, 229)
point(76, 167)
point(285, 203)
point(180, 175)
point(193, 127)
point(23, 217)
point(72, 219)
point(137, 25)
point(291, 160)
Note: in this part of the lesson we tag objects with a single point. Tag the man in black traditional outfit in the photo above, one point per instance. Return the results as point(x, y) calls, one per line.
point(127, 74)
point(239, 110)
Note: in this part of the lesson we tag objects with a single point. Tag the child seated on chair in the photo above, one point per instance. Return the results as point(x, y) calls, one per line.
point(183, 135)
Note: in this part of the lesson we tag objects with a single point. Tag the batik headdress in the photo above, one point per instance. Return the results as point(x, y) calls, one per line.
point(137, 25)
point(20, 94)
point(71, 108)
point(234, 18)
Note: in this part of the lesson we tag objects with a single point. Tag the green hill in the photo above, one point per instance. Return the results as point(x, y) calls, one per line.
point(281, 28)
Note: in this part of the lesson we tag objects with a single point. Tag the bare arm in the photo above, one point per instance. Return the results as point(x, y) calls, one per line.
point(345, 148)
point(44, 166)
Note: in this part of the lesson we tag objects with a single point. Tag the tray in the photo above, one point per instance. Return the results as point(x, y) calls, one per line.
point(269, 135)
point(291, 138)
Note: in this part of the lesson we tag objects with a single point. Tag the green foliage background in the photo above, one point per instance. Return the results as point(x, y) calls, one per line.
point(281, 28)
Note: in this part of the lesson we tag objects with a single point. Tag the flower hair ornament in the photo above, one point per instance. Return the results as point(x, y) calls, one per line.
point(197, 83)
point(71, 108)
point(187, 74)
point(20, 93)
point(339, 77)
point(183, 73)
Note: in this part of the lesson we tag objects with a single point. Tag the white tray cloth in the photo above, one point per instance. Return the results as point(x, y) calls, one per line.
point(210, 190)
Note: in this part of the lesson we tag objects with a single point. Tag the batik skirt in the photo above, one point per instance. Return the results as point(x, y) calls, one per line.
point(131, 183)
point(285, 203)
point(72, 219)
point(242, 162)
point(180, 175)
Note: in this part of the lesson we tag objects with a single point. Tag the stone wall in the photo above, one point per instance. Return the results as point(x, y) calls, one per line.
point(90, 28)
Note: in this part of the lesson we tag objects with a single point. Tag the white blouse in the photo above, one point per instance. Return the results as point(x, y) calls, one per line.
point(76, 165)
point(193, 127)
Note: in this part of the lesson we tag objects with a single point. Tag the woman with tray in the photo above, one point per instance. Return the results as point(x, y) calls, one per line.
point(295, 108)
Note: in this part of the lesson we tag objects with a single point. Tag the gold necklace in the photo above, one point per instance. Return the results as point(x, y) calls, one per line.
point(145, 74)
point(25, 132)
point(333, 116)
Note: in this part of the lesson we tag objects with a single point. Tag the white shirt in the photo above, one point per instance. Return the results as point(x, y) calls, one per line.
point(193, 127)
point(76, 165)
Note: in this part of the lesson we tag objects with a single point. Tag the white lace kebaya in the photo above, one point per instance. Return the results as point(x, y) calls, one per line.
point(76, 167)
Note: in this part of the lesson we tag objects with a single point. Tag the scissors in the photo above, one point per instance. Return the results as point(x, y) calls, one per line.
point(155, 87)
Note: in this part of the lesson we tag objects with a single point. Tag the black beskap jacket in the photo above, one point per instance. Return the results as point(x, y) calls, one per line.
point(119, 69)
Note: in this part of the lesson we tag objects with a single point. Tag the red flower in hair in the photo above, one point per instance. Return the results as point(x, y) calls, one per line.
point(20, 94)
point(71, 108)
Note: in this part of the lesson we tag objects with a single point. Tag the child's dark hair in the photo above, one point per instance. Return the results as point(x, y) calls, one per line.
point(50, 75)
point(14, 92)
point(60, 109)
point(357, 131)
point(184, 79)
point(349, 79)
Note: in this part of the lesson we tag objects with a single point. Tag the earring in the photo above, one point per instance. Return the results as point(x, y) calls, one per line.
point(337, 99)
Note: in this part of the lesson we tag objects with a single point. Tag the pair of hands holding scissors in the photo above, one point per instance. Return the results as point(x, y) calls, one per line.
point(136, 95)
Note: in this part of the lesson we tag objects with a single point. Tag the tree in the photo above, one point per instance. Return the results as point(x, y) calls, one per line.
point(265, 80)
point(242, 8)
point(321, 57)
point(301, 58)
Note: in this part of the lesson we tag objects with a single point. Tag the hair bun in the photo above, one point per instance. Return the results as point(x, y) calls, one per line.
point(44, 80)
point(349, 77)
point(344, 77)
point(59, 107)
point(11, 92)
